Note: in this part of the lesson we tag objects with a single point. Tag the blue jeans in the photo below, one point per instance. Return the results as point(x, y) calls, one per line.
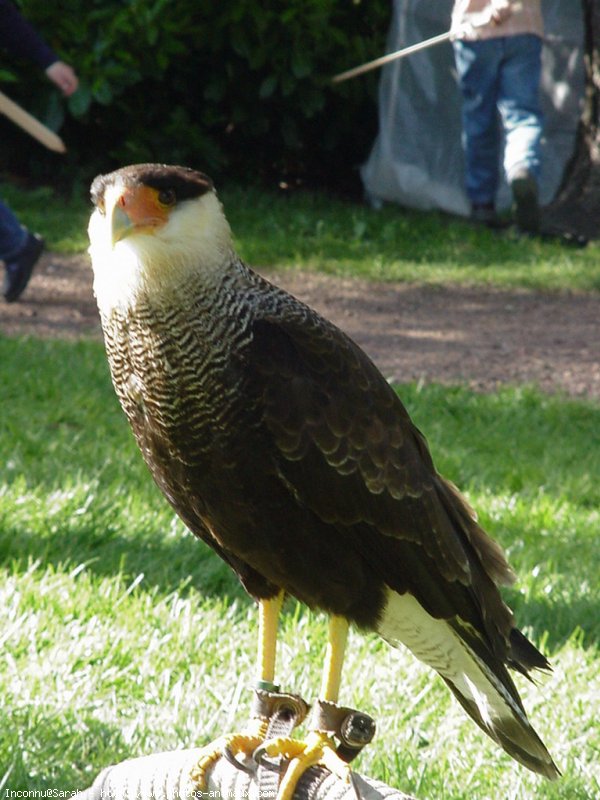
point(13, 236)
point(499, 77)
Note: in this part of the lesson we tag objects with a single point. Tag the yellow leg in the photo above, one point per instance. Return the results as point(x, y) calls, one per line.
point(319, 746)
point(334, 659)
point(246, 742)
point(268, 619)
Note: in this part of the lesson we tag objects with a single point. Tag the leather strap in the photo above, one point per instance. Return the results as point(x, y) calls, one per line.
point(285, 712)
point(353, 729)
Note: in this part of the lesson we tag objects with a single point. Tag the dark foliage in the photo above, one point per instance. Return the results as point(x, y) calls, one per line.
point(239, 87)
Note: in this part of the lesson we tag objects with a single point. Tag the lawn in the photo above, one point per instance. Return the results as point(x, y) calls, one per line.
point(122, 635)
point(317, 232)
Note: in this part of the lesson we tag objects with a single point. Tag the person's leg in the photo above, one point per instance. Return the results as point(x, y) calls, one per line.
point(13, 236)
point(519, 106)
point(20, 250)
point(477, 65)
point(519, 103)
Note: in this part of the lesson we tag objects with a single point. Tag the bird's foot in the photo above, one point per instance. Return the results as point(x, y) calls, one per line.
point(337, 735)
point(271, 712)
point(231, 746)
point(317, 749)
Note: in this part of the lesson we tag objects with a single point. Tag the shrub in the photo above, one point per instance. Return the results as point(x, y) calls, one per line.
point(240, 86)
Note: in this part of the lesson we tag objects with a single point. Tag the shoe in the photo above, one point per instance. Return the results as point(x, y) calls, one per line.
point(485, 214)
point(18, 272)
point(525, 194)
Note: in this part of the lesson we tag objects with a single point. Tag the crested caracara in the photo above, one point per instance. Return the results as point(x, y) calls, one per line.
point(280, 445)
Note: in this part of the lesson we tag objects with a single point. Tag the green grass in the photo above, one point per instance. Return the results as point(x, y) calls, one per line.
point(315, 232)
point(122, 635)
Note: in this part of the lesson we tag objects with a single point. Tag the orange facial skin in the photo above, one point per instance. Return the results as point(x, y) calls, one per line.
point(142, 208)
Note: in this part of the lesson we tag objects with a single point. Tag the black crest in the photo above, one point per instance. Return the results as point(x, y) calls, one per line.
point(185, 182)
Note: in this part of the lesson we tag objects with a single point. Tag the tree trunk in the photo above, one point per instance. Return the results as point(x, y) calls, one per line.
point(576, 207)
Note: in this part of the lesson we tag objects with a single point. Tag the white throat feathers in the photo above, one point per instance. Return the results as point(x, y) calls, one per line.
point(158, 264)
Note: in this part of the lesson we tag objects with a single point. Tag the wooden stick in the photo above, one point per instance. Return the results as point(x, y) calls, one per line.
point(31, 125)
point(478, 21)
point(379, 62)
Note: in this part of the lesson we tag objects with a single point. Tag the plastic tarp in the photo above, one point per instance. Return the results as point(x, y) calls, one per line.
point(417, 158)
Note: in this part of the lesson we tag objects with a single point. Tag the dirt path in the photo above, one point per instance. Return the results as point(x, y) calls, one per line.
point(480, 337)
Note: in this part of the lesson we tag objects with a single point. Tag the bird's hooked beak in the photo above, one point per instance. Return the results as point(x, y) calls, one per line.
point(136, 209)
point(120, 225)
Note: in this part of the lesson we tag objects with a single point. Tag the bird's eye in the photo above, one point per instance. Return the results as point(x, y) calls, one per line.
point(167, 197)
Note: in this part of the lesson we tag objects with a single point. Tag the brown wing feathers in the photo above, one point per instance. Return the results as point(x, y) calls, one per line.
point(381, 479)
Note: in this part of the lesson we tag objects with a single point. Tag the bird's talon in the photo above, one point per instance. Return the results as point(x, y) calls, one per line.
point(230, 747)
point(230, 756)
point(317, 750)
point(280, 746)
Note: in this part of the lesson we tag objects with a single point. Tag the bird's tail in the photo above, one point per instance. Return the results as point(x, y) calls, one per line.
point(509, 728)
point(477, 678)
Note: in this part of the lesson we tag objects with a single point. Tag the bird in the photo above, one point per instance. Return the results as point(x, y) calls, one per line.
point(281, 445)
